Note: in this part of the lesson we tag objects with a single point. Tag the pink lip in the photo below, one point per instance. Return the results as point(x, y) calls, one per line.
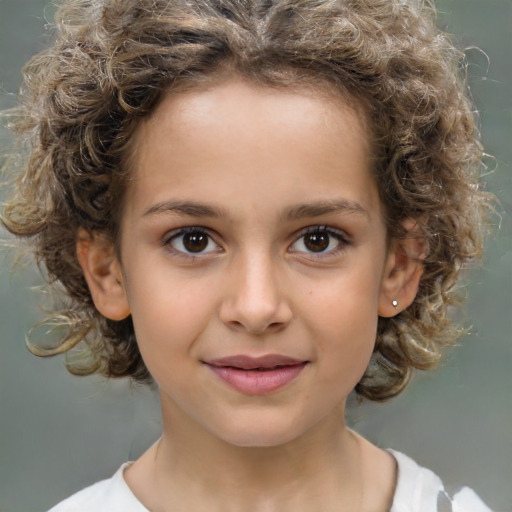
point(257, 375)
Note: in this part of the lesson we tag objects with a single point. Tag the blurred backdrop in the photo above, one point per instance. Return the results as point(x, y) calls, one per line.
point(59, 433)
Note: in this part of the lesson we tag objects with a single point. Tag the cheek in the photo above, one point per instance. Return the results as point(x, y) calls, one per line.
point(346, 301)
point(168, 318)
point(343, 317)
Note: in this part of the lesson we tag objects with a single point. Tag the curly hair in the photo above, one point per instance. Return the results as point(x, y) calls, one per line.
point(113, 60)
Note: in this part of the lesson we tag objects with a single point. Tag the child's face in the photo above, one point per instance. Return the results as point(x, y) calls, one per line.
point(253, 226)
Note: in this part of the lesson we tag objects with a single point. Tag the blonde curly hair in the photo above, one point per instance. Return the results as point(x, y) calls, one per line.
point(113, 60)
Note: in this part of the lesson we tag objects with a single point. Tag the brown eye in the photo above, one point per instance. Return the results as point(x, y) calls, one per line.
point(195, 242)
point(320, 240)
point(317, 242)
point(192, 241)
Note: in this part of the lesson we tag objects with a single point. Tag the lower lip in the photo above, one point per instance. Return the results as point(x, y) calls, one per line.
point(258, 382)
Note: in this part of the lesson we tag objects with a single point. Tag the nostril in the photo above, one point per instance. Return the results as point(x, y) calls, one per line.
point(236, 323)
point(256, 330)
point(255, 316)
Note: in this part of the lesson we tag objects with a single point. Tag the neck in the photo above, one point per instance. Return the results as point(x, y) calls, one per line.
point(225, 465)
point(320, 470)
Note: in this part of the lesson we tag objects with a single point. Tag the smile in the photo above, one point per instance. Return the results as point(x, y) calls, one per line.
point(257, 376)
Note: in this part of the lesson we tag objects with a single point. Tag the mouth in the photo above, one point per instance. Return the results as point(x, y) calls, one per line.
point(257, 375)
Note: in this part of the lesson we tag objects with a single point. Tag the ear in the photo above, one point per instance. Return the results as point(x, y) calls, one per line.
point(102, 272)
point(403, 271)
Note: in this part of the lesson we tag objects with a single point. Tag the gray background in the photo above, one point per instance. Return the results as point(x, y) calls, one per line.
point(59, 433)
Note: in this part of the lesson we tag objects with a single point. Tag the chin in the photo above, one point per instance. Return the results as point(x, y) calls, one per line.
point(259, 433)
point(258, 440)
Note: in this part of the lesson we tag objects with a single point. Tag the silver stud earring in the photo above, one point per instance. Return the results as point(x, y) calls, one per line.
point(395, 304)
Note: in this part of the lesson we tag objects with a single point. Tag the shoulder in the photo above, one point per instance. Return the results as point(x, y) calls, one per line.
point(420, 490)
point(111, 495)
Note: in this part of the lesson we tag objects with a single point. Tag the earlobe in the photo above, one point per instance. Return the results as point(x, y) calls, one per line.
point(403, 271)
point(102, 272)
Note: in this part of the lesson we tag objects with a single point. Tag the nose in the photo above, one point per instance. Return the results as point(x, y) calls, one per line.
point(254, 300)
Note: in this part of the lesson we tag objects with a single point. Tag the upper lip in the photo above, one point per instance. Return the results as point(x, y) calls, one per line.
point(245, 362)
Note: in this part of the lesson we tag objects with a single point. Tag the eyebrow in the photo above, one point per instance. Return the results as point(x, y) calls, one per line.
point(190, 208)
point(319, 208)
point(297, 212)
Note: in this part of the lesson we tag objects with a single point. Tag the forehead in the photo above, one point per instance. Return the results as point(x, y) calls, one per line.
point(246, 135)
point(227, 95)
point(225, 99)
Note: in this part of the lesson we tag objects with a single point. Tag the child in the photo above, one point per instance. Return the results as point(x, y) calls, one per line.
point(261, 205)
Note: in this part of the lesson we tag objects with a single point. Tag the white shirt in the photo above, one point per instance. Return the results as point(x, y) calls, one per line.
point(418, 490)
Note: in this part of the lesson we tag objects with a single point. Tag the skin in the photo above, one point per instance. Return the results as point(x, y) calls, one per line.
point(253, 161)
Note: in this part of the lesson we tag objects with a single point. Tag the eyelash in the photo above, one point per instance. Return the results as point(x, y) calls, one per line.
point(179, 233)
point(338, 235)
